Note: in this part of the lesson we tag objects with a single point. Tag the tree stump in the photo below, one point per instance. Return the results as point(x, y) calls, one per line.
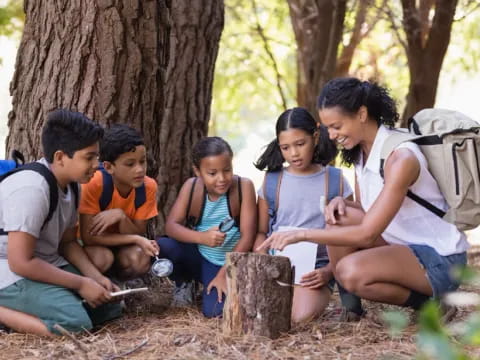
point(259, 300)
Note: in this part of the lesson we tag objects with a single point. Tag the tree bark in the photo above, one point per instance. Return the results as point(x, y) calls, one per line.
point(318, 28)
point(195, 36)
point(259, 300)
point(105, 58)
point(425, 51)
point(120, 61)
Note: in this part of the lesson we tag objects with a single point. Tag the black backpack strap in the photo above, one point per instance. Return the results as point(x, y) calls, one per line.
point(107, 189)
point(75, 191)
point(140, 196)
point(196, 203)
point(18, 157)
point(234, 199)
point(271, 193)
point(333, 183)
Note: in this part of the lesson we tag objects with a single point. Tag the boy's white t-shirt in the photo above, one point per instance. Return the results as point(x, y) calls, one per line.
point(413, 224)
point(24, 205)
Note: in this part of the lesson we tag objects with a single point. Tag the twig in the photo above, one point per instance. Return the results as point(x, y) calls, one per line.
point(258, 27)
point(112, 357)
point(77, 342)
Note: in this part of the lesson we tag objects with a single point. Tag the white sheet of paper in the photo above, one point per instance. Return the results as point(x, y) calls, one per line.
point(302, 255)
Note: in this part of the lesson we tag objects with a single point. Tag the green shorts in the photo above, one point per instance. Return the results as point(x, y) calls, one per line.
point(54, 304)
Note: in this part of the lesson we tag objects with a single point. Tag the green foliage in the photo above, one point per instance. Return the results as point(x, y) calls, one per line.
point(12, 17)
point(433, 339)
point(464, 50)
point(396, 320)
point(245, 90)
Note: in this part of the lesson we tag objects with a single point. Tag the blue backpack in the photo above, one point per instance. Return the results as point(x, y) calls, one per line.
point(17, 164)
point(107, 191)
point(271, 190)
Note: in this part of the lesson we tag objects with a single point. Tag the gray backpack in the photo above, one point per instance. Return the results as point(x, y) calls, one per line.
point(450, 142)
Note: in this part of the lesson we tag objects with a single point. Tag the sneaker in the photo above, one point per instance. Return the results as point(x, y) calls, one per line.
point(349, 316)
point(448, 312)
point(184, 294)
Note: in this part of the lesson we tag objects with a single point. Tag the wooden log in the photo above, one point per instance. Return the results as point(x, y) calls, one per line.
point(259, 300)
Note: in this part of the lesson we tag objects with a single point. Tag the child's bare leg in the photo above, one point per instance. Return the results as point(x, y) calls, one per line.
point(309, 303)
point(131, 262)
point(100, 256)
point(22, 322)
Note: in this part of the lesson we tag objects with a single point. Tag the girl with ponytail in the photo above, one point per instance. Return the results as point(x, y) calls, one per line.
point(304, 146)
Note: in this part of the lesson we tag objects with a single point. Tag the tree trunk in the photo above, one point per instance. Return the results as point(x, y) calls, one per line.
point(120, 61)
point(358, 33)
point(425, 51)
point(195, 36)
point(259, 300)
point(106, 59)
point(318, 28)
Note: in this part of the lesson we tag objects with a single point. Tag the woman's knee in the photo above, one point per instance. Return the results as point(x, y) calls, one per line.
point(349, 274)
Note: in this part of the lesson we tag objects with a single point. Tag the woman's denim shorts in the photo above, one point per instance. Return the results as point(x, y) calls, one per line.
point(439, 268)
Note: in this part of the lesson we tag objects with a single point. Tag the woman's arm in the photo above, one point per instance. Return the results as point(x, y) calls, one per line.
point(401, 171)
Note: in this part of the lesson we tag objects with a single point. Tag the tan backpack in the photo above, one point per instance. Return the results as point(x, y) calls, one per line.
point(450, 142)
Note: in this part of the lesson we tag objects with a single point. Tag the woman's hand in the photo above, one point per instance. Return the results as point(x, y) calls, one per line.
point(220, 283)
point(316, 278)
point(279, 240)
point(336, 206)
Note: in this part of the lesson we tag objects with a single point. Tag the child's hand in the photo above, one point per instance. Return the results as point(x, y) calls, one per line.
point(107, 283)
point(212, 237)
point(335, 206)
point(278, 240)
point(94, 293)
point(317, 278)
point(103, 220)
point(220, 283)
point(149, 247)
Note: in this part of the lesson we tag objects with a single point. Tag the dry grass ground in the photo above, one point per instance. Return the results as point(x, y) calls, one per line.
point(153, 330)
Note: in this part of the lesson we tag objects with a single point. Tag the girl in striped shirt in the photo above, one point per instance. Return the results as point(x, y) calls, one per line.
point(198, 251)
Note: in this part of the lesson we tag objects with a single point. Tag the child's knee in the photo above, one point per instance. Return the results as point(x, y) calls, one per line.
point(133, 262)
point(101, 256)
point(303, 315)
point(169, 248)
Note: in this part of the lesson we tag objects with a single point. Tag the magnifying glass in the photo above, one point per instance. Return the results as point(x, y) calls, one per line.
point(226, 224)
point(161, 267)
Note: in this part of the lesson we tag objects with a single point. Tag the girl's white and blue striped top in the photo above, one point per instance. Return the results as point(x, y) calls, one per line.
point(213, 214)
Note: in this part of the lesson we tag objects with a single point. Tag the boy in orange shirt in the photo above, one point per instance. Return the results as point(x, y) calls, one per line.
point(116, 205)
